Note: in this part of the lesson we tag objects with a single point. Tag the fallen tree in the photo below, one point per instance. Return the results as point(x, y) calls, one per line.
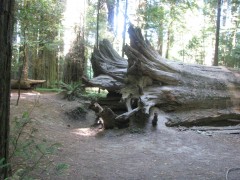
point(186, 94)
point(25, 83)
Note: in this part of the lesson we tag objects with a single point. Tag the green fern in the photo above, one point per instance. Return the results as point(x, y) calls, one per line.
point(71, 91)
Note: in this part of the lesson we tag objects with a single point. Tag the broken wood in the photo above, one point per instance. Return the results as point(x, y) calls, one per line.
point(26, 83)
point(216, 130)
point(188, 94)
point(108, 116)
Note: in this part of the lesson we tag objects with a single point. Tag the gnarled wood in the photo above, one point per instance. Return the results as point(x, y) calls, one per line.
point(109, 118)
point(188, 94)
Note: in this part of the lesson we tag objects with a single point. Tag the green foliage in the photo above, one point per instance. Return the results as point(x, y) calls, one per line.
point(230, 47)
point(38, 38)
point(71, 91)
point(48, 89)
point(162, 20)
point(91, 22)
point(74, 60)
point(30, 155)
point(194, 50)
point(91, 95)
point(236, 52)
point(77, 113)
point(186, 29)
point(61, 168)
point(2, 164)
point(170, 25)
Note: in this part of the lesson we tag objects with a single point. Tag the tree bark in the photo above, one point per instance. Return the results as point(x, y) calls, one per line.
point(186, 94)
point(124, 27)
point(108, 116)
point(97, 30)
point(215, 61)
point(110, 7)
point(6, 30)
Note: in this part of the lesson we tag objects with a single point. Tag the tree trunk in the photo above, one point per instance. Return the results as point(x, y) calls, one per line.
point(97, 30)
point(186, 94)
point(25, 62)
point(169, 34)
point(215, 62)
point(110, 7)
point(124, 27)
point(116, 20)
point(6, 30)
point(160, 39)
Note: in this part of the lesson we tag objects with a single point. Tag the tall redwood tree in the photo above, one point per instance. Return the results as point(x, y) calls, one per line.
point(6, 30)
point(215, 61)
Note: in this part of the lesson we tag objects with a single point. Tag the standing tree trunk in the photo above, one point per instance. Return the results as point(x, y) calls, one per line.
point(160, 39)
point(6, 30)
point(169, 34)
point(215, 62)
point(124, 26)
point(116, 21)
point(25, 58)
point(187, 94)
point(98, 16)
point(111, 7)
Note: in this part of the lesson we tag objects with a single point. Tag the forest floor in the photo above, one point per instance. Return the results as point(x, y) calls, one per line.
point(127, 154)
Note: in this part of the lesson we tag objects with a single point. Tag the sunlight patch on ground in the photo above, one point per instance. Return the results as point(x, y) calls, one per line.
point(86, 132)
point(31, 94)
point(27, 94)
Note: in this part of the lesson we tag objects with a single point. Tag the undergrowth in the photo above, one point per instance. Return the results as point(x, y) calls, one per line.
point(48, 90)
point(31, 157)
point(73, 91)
point(89, 95)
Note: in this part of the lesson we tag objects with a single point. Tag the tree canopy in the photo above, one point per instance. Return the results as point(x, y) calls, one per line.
point(46, 47)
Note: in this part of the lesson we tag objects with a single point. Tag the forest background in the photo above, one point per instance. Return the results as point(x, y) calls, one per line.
point(54, 39)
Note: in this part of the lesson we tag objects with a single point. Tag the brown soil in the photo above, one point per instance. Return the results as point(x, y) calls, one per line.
point(150, 153)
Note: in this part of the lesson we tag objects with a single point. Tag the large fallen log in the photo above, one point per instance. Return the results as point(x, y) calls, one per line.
point(187, 94)
point(26, 83)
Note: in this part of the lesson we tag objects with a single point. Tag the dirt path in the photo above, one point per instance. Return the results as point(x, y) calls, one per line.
point(162, 153)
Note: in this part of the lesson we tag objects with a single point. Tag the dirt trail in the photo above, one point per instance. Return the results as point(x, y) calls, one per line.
point(161, 153)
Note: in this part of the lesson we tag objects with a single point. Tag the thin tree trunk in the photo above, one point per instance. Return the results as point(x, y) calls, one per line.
point(125, 27)
point(83, 39)
point(97, 33)
point(23, 71)
point(117, 12)
point(215, 62)
point(25, 62)
point(168, 41)
point(160, 39)
point(6, 31)
point(111, 7)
